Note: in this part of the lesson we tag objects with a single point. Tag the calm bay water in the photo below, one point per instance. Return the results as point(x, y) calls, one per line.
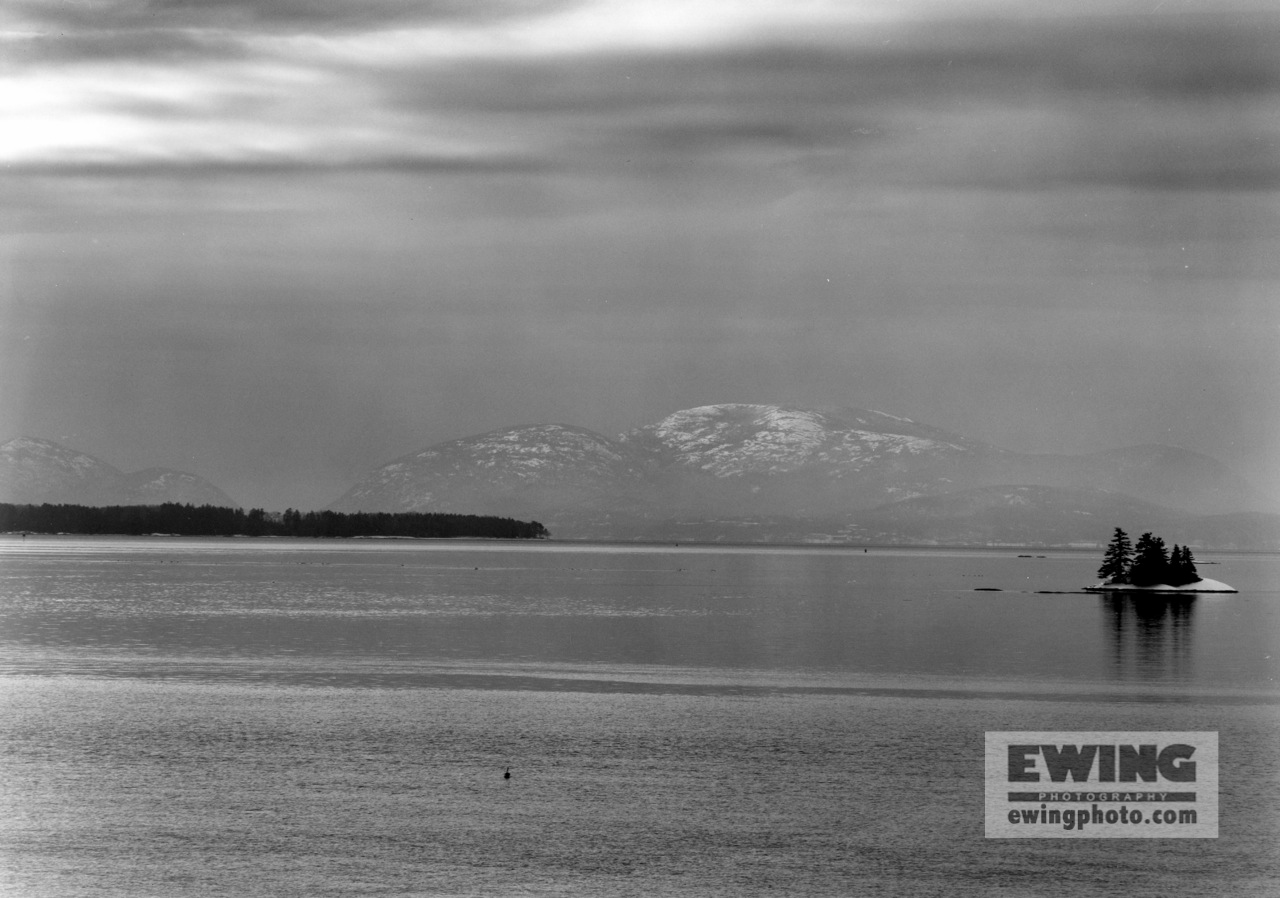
point(276, 717)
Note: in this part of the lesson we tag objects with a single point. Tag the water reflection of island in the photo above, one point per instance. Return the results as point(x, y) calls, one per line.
point(1150, 635)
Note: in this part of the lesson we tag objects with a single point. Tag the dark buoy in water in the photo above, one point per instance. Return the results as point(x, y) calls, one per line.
point(507, 774)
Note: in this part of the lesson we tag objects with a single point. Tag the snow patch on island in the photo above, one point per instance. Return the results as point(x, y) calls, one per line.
point(1198, 586)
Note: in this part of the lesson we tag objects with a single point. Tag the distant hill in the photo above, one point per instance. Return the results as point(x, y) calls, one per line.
point(1039, 515)
point(1165, 475)
point(749, 473)
point(509, 472)
point(775, 473)
point(1013, 516)
point(35, 471)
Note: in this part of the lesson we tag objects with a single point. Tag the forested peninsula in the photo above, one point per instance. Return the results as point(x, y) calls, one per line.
point(172, 519)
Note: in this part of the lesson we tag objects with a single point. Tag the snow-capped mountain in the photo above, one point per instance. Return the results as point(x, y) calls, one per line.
point(747, 459)
point(35, 471)
point(738, 439)
point(727, 468)
point(733, 459)
point(513, 473)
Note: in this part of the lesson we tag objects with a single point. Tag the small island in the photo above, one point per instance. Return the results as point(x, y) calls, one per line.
point(1147, 566)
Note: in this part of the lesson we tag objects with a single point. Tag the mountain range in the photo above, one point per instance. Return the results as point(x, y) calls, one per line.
point(757, 473)
point(750, 473)
point(35, 471)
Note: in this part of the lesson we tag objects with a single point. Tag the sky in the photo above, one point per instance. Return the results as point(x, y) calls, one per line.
point(278, 243)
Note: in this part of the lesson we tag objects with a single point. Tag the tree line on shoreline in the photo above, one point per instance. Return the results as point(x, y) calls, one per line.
point(175, 519)
point(1146, 562)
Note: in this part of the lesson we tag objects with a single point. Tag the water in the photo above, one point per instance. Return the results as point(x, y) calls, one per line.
point(273, 718)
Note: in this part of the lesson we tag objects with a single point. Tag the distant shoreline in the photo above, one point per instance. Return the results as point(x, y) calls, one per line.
point(669, 544)
point(172, 519)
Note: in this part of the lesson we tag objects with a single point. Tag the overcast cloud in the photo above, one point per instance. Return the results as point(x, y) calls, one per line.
point(280, 243)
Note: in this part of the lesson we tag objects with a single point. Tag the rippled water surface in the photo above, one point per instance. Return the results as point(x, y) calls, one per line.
point(276, 717)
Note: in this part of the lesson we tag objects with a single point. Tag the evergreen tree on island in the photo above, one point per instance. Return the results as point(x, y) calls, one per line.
point(1150, 561)
point(1182, 566)
point(1146, 563)
point(1116, 560)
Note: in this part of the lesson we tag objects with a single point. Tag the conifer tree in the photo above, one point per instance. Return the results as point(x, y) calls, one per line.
point(1150, 561)
point(1116, 560)
point(1182, 567)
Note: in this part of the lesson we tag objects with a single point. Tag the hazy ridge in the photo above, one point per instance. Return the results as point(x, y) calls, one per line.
point(36, 471)
point(767, 473)
point(747, 473)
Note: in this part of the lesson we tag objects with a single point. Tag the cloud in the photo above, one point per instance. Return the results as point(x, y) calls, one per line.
point(250, 15)
point(916, 63)
point(1047, 104)
point(263, 166)
point(167, 46)
point(831, 91)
